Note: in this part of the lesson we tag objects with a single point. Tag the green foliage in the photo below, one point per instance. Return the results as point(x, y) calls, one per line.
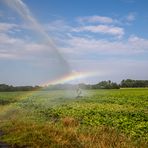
point(129, 83)
point(134, 83)
point(9, 88)
point(8, 97)
point(125, 110)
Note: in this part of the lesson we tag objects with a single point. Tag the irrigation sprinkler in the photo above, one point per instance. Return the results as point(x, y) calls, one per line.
point(78, 92)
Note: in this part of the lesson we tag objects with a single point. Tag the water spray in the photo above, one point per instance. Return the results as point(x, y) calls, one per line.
point(62, 68)
point(61, 72)
point(78, 92)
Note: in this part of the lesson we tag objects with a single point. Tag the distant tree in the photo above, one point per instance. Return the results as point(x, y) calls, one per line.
point(134, 83)
point(101, 85)
point(4, 87)
point(107, 85)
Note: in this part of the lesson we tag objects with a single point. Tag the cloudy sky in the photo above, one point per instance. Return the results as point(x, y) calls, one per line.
point(108, 38)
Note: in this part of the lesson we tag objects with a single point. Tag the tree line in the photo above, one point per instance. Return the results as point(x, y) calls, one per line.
point(5, 87)
point(128, 83)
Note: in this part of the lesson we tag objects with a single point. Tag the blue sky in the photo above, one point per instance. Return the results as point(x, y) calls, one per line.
point(108, 38)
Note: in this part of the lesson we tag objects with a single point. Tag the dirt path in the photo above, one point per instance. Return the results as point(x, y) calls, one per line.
point(2, 144)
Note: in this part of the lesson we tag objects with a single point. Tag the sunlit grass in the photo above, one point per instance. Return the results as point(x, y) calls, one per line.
point(68, 134)
point(108, 118)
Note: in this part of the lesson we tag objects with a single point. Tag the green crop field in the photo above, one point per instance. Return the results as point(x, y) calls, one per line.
point(100, 118)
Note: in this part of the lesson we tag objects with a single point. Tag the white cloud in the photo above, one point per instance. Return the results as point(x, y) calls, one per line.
point(83, 54)
point(4, 27)
point(7, 56)
point(104, 29)
point(82, 47)
point(95, 19)
point(113, 69)
point(131, 17)
point(114, 28)
point(140, 43)
point(134, 38)
point(72, 46)
point(16, 48)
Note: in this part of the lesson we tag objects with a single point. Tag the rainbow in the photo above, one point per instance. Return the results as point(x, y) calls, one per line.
point(70, 77)
point(73, 76)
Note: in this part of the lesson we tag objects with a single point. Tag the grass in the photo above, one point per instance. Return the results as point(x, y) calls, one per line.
point(104, 118)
